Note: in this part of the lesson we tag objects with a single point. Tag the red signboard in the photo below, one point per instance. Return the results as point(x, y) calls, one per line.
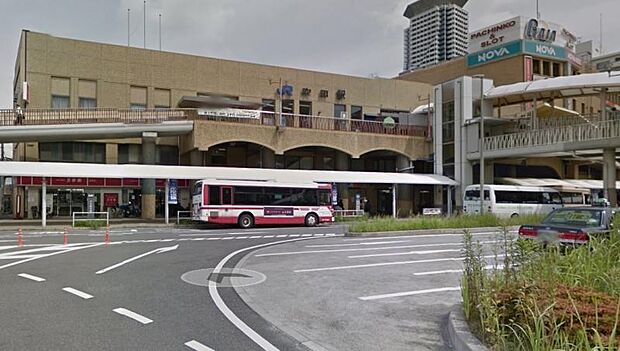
point(110, 199)
point(113, 182)
point(96, 182)
point(131, 182)
point(67, 182)
point(58, 181)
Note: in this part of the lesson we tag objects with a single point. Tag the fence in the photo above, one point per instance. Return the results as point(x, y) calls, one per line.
point(326, 123)
point(574, 133)
point(348, 213)
point(30, 117)
point(184, 217)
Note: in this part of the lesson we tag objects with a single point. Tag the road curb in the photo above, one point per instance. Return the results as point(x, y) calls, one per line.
point(429, 231)
point(280, 324)
point(459, 335)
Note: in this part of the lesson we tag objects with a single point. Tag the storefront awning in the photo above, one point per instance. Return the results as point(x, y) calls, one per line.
point(53, 169)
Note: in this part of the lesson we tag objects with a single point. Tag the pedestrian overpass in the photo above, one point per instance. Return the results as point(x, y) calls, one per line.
point(565, 135)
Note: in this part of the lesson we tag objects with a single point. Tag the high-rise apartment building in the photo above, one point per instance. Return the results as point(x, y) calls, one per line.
point(437, 32)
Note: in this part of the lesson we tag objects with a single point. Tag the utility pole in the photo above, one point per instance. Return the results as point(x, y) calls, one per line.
point(481, 143)
point(537, 10)
point(128, 32)
point(600, 42)
point(160, 32)
point(144, 22)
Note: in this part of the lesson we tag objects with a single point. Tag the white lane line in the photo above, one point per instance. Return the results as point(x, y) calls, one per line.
point(356, 249)
point(408, 293)
point(269, 236)
point(425, 236)
point(424, 252)
point(200, 239)
point(318, 234)
point(230, 315)
point(195, 345)
point(381, 264)
point(133, 315)
point(214, 238)
point(77, 292)
point(360, 244)
point(49, 254)
point(241, 237)
point(31, 277)
point(129, 260)
point(282, 236)
point(489, 267)
point(293, 235)
point(306, 235)
point(256, 236)
point(228, 238)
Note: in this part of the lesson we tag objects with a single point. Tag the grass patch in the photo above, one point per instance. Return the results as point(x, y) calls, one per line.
point(350, 219)
point(426, 222)
point(91, 223)
point(544, 299)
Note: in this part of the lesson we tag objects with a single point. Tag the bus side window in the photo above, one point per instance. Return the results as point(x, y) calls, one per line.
point(214, 195)
point(226, 195)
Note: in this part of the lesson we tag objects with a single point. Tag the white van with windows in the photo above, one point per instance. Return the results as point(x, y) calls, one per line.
point(511, 200)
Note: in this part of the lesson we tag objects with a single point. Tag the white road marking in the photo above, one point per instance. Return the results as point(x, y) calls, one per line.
point(213, 238)
point(360, 244)
point(195, 345)
point(355, 249)
point(426, 236)
point(228, 238)
point(256, 236)
point(156, 251)
point(200, 239)
point(271, 236)
point(293, 235)
point(67, 249)
point(424, 252)
point(133, 315)
point(230, 315)
point(306, 235)
point(77, 292)
point(241, 237)
point(31, 277)
point(381, 264)
point(408, 293)
point(281, 236)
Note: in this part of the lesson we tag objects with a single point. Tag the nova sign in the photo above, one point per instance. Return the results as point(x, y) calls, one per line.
point(540, 49)
point(494, 54)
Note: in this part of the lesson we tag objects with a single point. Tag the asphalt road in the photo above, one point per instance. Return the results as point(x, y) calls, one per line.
point(53, 299)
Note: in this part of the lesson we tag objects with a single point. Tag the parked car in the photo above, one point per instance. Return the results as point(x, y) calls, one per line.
point(570, 225)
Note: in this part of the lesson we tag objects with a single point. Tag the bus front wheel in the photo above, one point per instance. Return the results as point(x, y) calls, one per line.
point(312, 220)
point(246, 221)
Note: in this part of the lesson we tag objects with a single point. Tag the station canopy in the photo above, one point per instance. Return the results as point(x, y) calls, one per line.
point(54, 169)
point(559, 87)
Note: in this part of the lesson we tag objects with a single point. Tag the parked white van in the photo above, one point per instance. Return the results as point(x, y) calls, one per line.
point(511, 200)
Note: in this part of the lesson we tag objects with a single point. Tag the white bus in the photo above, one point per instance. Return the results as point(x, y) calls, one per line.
point(511, 200)
point(250, 203)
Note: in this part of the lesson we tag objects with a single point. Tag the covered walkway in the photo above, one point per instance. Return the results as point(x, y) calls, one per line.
point(52, 169)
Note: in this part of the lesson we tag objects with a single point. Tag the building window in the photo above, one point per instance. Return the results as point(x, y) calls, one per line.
point(72, 152)
point(137, 98)
point(583, 108)
point(305, 108)
point(161, 98)
point(129, 153)
point(340, 111)
point(87, 93)
point(356, 112)
point(60, 92)
point(288, 106)
point(167, 155)
point(546, 68)
point(59, 101)
point(536, 66)
point(87, 102)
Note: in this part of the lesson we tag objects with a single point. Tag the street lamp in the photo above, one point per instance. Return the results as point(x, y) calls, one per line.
point(481, 141)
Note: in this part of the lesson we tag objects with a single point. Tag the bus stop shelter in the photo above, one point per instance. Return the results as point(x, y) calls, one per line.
point(56, 169)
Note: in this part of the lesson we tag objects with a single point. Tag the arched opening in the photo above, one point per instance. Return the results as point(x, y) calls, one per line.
point(239, 154)
point(314, 157)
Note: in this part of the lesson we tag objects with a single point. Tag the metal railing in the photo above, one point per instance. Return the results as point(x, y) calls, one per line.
point(348, 213)
point(542, 137)
point(30, 117)
point(34, 117)
point(326, 123)
point(184, 217)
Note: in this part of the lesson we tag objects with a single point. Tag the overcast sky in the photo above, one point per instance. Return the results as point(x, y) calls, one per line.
point(358, 37)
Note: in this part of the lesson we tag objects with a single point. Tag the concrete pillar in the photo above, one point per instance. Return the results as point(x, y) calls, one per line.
point(603, 99)
point(405, 198)
point(166, 204)
point(148, 184)
point(195, 158)
point(44, 203)
point(268, 158)
point(609, 175)
point(342, 164)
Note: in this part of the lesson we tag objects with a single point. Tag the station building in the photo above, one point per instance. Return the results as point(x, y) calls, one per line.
point(243, 115)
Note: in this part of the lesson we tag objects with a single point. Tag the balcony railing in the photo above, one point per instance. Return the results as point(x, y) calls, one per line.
point(31, 117)
point(326, 123)
point(573, 133)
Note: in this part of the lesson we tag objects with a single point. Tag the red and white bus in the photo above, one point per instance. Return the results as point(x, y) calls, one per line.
point(250, 203)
